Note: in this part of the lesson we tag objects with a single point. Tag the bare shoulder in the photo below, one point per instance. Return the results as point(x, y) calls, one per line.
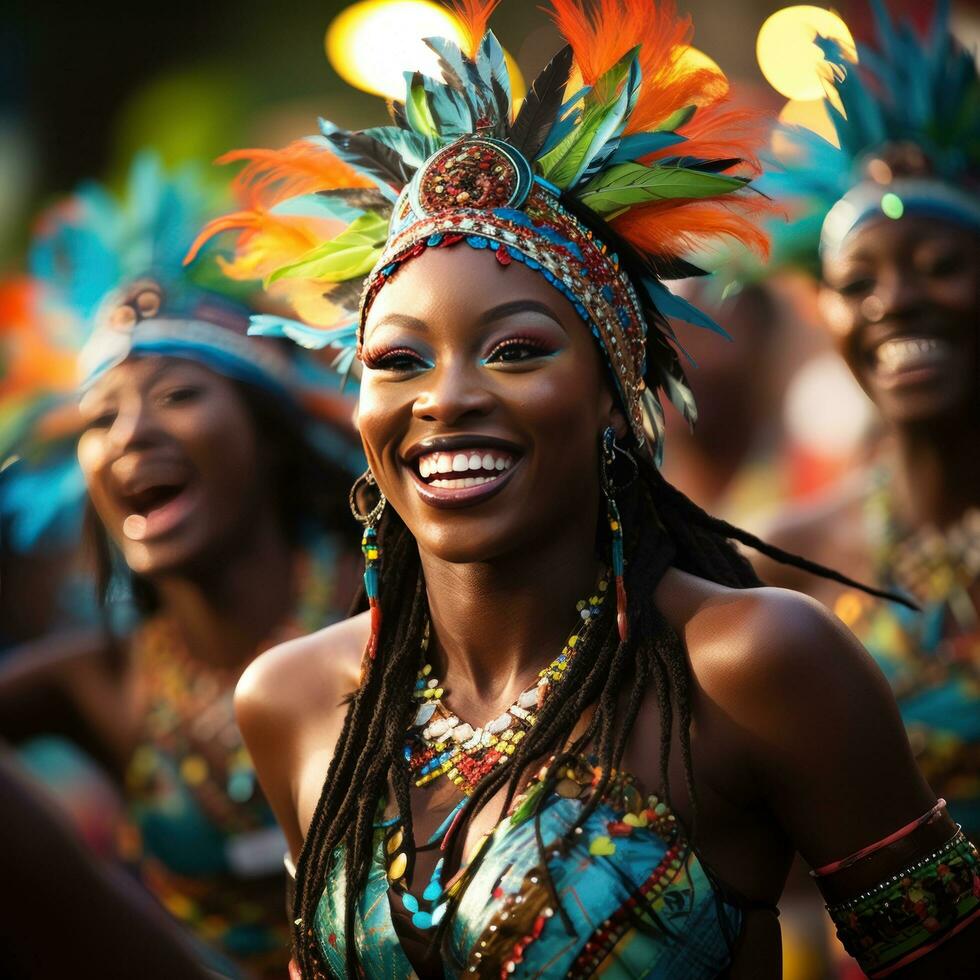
point(290, 707)
point(310, 673)
point(767, 649)
point(809, 712)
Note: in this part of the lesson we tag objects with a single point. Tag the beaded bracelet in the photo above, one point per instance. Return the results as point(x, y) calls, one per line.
point(910, 913)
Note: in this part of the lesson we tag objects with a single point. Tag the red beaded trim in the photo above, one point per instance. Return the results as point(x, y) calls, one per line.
point(602, 942)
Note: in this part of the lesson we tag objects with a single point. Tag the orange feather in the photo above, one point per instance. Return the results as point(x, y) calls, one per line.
point(473, 16)
point(687, 226)
point(31, 363)
point(302, 167)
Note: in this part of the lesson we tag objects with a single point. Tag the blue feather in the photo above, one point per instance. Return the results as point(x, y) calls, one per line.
point(265, 325)
point(672, 305)
point(638, 145)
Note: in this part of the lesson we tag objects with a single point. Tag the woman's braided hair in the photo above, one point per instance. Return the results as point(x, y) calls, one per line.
point(369, 758)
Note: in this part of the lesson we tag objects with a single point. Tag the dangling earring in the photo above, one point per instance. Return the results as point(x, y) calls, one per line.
point(372, 554)
point(607, 460)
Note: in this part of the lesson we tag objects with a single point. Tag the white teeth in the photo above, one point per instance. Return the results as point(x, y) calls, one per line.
point(472, 460)
point(462, 482)
point(910, 352)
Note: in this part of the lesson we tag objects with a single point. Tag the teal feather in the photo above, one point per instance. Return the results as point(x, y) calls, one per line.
point(312, 338)
point(450, 109)
point(413, 148)
point(672, 305)
point(493, 70)
point(638, 145)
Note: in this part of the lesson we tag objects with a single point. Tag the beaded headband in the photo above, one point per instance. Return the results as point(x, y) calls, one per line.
point(633, 166)
point(446, 203)
point(141, 318)
point(894, 199)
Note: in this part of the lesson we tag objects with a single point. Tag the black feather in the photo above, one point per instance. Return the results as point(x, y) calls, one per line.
point(705, 166)
point(540, 108)
point(345, 294)
point(396, 110)
point(675, 268)
point(366, 153)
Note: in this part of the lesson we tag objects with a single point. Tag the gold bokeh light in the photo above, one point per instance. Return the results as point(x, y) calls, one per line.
point(788, 57)
point(372, 43)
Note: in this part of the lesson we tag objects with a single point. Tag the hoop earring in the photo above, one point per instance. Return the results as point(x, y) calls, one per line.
point(607, 462)
point(372, 553)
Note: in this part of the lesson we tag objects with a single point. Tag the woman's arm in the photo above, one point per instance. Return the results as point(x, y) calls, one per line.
point(830, 754)
point(66, 684)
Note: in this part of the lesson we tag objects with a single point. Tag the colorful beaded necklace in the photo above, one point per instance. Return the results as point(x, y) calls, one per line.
point(440, 743)
point(937, 567)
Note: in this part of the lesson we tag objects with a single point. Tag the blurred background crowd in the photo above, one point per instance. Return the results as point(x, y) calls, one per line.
point(117, 657)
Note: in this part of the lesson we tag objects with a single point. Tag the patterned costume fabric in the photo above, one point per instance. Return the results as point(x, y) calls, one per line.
point(625, 881)
point(931, 657)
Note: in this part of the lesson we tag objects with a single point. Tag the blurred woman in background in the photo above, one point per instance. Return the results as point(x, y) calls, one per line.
point(212, 498)
point(900, 251)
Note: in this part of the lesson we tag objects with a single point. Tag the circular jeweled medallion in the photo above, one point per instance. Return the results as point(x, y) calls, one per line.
point(474, 173)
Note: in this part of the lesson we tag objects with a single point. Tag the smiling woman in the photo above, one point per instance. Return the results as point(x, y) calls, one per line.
point(900, 256)
point(211, 504)
point(574, 735)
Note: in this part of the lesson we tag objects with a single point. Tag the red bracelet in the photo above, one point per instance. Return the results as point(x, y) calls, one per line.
point(829, 869)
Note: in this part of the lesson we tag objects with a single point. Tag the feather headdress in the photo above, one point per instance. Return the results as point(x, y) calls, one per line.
point(109, 281)
point(622, 157)
point(907, 118)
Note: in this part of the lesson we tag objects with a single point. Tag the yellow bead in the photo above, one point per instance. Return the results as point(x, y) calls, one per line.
point(397, 867)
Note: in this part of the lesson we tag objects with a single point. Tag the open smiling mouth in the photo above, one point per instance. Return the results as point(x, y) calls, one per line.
point(907, 358)
point(462, 476)
point(155, 509)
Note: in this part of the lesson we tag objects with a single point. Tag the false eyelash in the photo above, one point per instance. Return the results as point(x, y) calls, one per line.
point(531, 342)
point(375, 360)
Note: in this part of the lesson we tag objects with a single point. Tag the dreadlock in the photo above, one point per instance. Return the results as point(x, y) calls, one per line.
point(665, 528)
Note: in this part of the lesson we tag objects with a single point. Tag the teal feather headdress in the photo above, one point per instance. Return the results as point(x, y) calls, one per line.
point(109, 281)
point(907, 118)
point(622, 157)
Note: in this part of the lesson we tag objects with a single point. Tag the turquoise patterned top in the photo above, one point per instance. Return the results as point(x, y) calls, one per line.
point(628, 864)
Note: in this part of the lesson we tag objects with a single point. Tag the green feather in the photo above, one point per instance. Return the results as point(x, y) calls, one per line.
point(629, 184)
point(417, 109)
point(677, 119)
point(350, 255)
point(604, 112)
